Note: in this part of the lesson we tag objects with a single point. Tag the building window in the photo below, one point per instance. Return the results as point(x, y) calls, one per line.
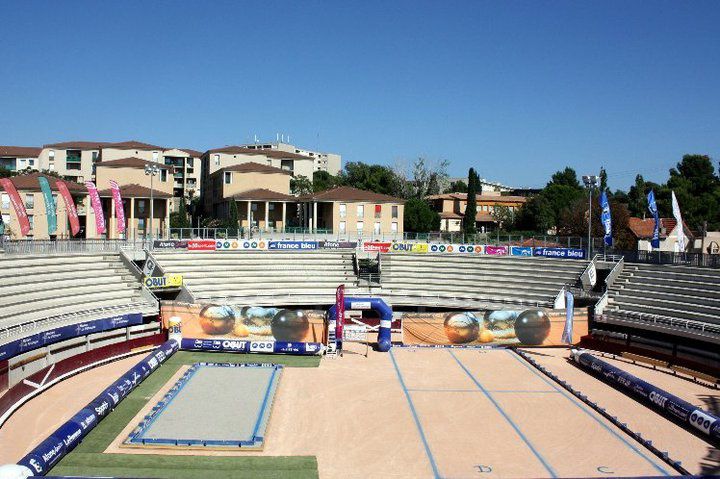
point(29, 201)
point(360, 226)
point(51, 167)
point(31, 220)
point(360, 211)
point(394, 211)
point(95, 156)
point(156, 156)
point(342, 227)
point(31, 162)
point(217, 160)
point(190, 163)
point(6, 220)
point(5, 201)
point(228, 177)
point(394, 227)
point(51, 155)
point(163, 175)
point(376, 229)
point(343, 210)
point(378, 211)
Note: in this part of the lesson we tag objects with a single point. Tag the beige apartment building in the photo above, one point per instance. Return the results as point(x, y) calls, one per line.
point(350, 211)
point(18, 158)
point(451, 207)
point(135, 191)
point(330, 162)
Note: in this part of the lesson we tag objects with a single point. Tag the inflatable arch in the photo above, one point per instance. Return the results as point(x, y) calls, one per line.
point(373, 304)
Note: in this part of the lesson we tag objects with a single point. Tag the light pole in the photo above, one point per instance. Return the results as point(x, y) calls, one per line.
point(590, 182)
point(151, 170)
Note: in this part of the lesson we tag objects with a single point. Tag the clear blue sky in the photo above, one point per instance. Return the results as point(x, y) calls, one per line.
point(516, 89)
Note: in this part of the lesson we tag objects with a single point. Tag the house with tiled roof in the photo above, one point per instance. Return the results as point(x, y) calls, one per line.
point(451, 208)
point(643, 229)
point(17, 158)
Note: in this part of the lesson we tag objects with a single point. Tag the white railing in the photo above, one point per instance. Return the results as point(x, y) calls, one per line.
point(72, 246)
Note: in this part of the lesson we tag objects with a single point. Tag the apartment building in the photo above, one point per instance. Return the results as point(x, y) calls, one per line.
point(330, 162)
point(18, 158)
point(451, 207)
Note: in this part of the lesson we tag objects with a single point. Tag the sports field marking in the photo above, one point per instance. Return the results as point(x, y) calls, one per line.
point(477, 391)
point(428, 452)
point(505, 415)
point(572, 399)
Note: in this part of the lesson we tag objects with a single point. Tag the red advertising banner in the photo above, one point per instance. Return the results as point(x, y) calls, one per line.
point(18, 205)
point(119, 210)
point(97, 207)
point(376, 247)
point(496, 250)
point(201, 245)
point(340, 310)
point(69, 206)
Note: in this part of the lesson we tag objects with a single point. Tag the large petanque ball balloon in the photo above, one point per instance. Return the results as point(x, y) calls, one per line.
point(216, 319)
point(289, 325)
point(461, 328)
point(496, 320)
point(532, 327)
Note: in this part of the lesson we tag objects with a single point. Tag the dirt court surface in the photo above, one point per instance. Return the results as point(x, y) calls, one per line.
point(696, 455)
point(411, 413)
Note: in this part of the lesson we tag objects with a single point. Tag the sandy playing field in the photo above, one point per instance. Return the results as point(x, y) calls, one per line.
point(415, 412)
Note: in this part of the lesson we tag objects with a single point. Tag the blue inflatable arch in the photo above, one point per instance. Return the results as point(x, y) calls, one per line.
point(373, 304)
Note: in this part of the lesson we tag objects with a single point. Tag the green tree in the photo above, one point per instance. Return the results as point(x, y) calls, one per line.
point(458, 186)
point(233, 215)
point(603, 180)
point(377, 178)
point(535, 215)
point(697, 189)
point(469, 227)
point(301, 185)
point(419, 217)
point(566, 177)
point(179, 219)
point(322, 180)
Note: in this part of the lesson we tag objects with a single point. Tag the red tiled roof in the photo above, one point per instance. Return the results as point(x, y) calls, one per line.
point(135, 191)
point(193, 153)
point(263, 194)
point(133, 145)
point(252, 167)
point(20, 151)
point(239, 150)
point(482, 216)
point(77, 145)
point(30, 182)
point(487, 198)
point(644, 228)
point(131, 162)
point(348, 193)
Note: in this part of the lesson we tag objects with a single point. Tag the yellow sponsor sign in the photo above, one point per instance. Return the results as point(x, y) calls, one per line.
point(166, 281)
point(409, 247)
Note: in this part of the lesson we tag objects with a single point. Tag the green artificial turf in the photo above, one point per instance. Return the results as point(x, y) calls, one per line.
point(88, 458)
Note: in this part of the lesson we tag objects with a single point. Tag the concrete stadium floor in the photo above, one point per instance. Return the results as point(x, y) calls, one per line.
point(696, 455)
point(415, 412)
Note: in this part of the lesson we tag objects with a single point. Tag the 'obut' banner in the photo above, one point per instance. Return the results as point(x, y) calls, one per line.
point(17, 205)
point(670, 405)
point(65, 438)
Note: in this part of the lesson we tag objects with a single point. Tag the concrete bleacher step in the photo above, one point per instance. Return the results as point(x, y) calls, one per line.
point(687, 296)
point(41, 270)
point(65, 298)
point(50, 285)
point(670, 289)
point(677, 311)
point(59, 277)
point(687, 303)
point(677, 275)
point(462, 276)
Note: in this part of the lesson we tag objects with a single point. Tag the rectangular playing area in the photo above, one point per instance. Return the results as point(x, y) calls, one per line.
point(213, 405)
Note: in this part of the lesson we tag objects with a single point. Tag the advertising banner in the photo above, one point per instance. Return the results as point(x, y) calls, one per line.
point(340, 314)
point(225, 245)
point(97, 207)
point(521, 251)
point(530, 327)
point(449, 248)
point(241, 346)
point(564, 253)
point(50, 208)
point(170, 244)
point(409, 248)
point(670, 405)
point(376, 247)
point(119, 210)
point(17, 205)
point(292, 245)
point(166, 281)
point(337, 244)
point(201, 245)
point(62, 333)
point(496, 250)
point(69, 206)
point(248, 323)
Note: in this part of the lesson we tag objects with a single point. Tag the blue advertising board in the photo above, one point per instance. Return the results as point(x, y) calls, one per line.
point(521, 251)
point(293, 245)
point(242, 346)
point(652, 396)
point(64, 439)
point(46, 338)
point(564, 253)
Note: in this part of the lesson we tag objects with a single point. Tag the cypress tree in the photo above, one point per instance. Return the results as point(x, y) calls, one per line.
point(469, 229)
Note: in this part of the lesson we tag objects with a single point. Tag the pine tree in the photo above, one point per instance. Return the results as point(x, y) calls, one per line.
point(233, 216)
point(469, 228)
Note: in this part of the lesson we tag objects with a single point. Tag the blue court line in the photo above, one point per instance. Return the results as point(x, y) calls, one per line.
point(263, 406)
point(586, 411)
point(487, 394)
point(514, 391)
point(428, 452)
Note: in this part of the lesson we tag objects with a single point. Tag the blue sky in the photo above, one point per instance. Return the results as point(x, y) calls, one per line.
point(516, 89)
